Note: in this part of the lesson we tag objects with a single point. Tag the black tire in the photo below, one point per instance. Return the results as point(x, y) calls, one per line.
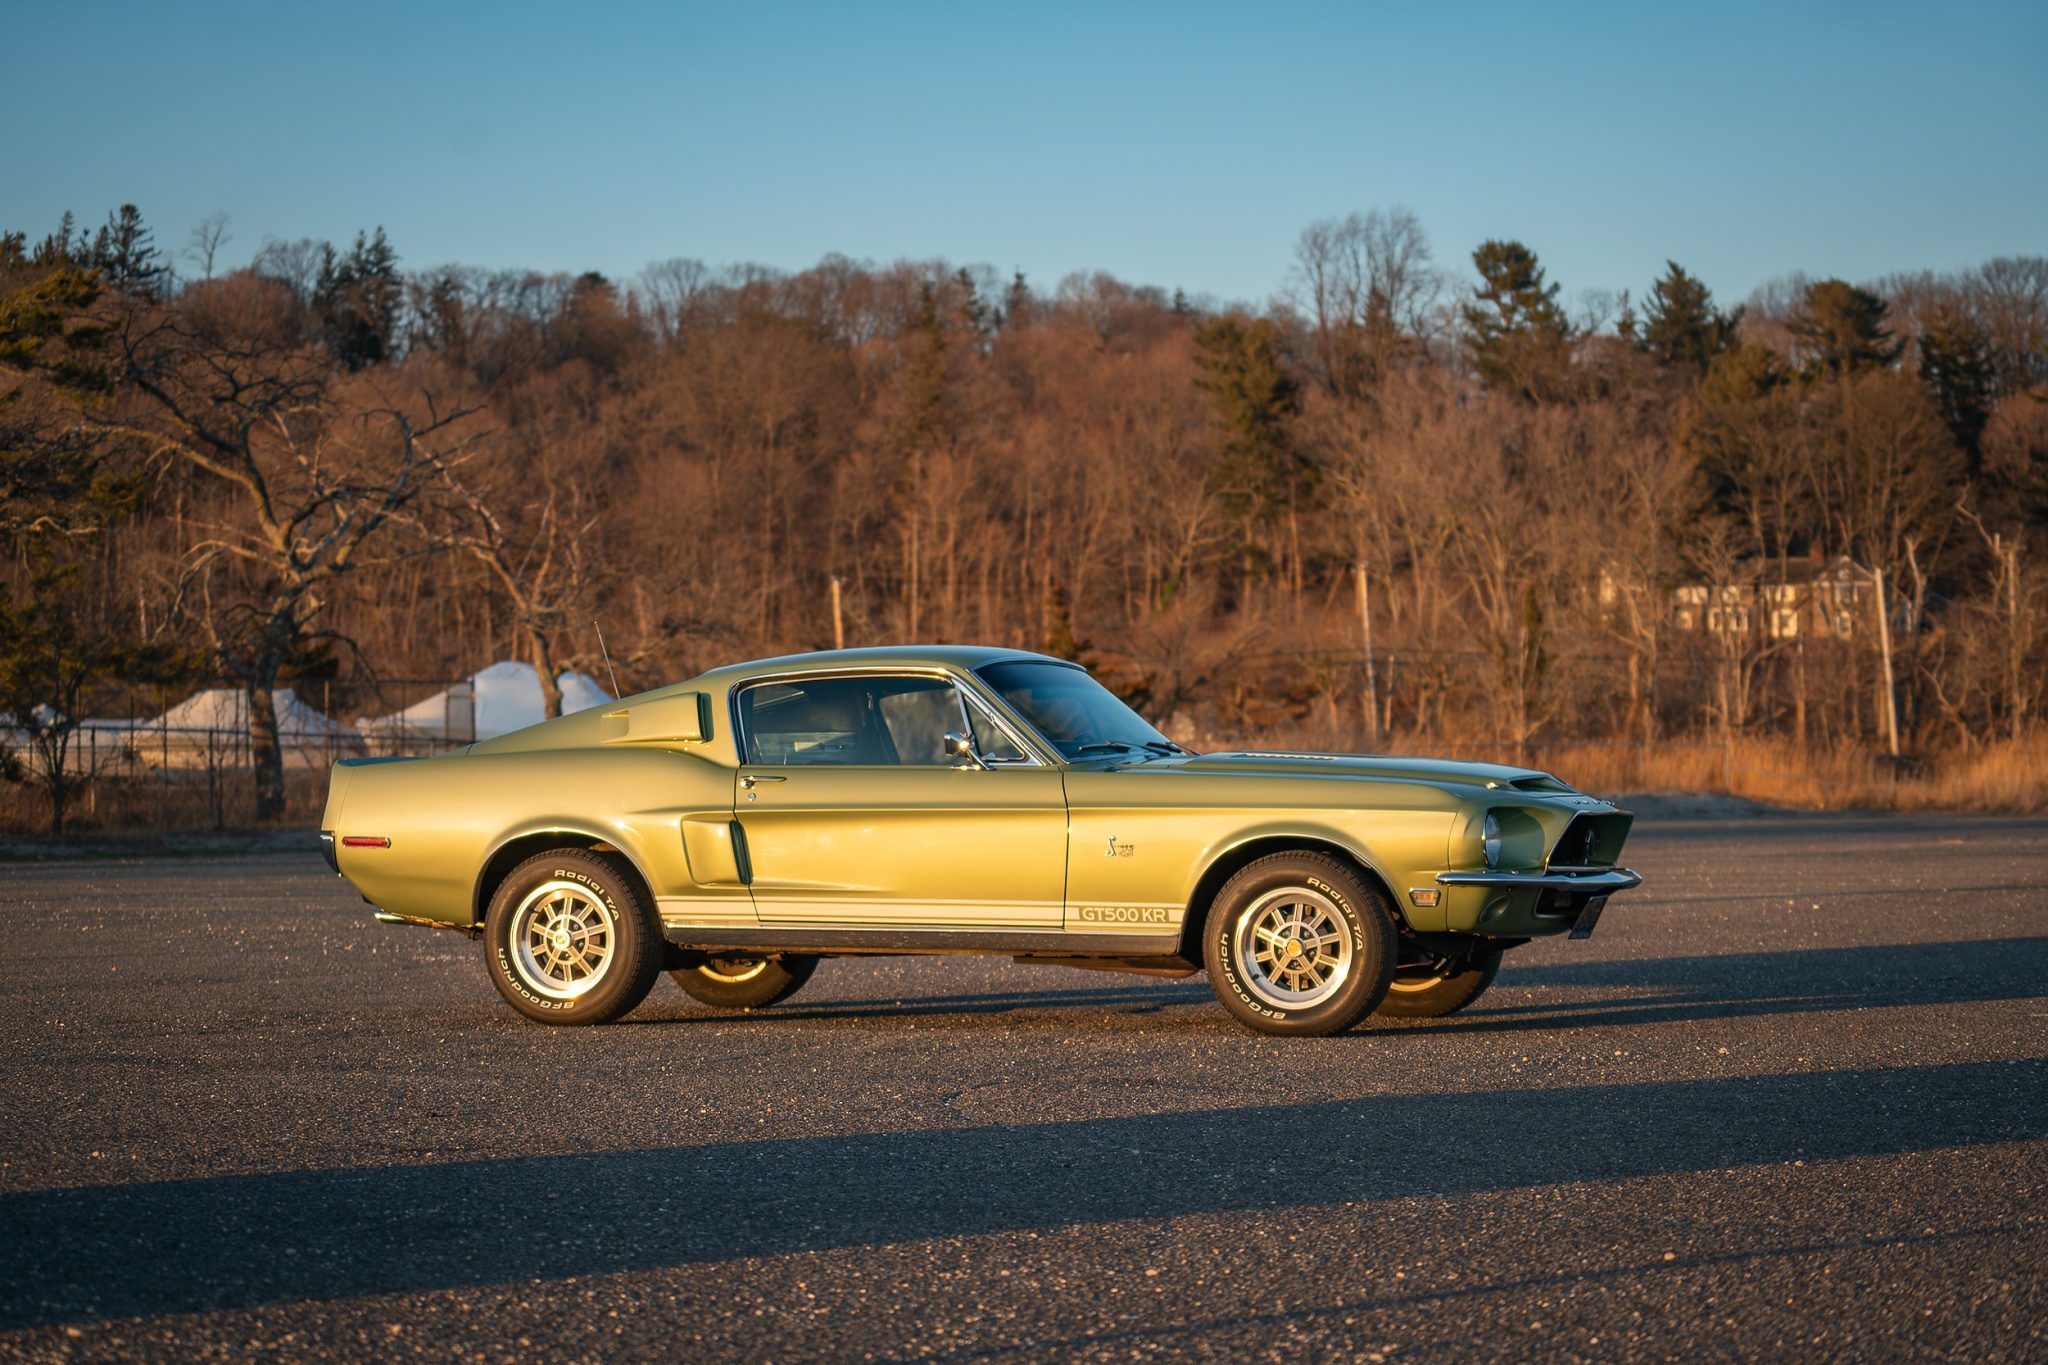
point(1429, 987)
point(746, 983)
point(604, 949)
point(1339, 963)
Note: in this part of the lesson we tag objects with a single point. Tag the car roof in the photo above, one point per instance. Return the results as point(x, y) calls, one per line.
point(959, 657)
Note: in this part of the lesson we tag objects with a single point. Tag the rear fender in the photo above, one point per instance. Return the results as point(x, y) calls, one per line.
point(516, 848)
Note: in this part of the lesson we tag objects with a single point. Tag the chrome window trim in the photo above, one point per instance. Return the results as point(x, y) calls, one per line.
point(1034, 748)
point(987, 689)
point(1030, 760)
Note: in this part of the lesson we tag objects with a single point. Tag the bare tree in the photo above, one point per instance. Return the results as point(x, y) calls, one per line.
point(672, 293)
point(315, 471)
point(2015, 602)
point(295, 265)
point(1366, 285)
point(535, 550)
point(1735, 624)
point(2009, 298)
point(207, 240)
point(1883, 471)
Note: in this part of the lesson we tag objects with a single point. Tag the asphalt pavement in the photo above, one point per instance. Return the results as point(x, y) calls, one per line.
point(1791, 1100)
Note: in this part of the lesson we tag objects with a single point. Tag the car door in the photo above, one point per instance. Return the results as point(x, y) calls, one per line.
point(853, 815)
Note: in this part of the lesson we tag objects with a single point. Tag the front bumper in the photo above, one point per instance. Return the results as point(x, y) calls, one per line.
point(1521, 905)
point(1592, 882)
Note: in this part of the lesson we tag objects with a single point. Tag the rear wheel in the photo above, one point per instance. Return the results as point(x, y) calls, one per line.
point(570, 939)
point(1427, 985)
point(1299, 943)
point(746, 983)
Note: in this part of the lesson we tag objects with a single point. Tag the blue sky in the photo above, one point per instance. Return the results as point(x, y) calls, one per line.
point(1183, 145)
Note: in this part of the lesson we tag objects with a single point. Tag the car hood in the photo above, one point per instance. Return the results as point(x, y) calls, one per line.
point(1374, 767)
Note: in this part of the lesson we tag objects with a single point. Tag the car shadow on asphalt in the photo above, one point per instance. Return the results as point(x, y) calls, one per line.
point(1623, 991)
point(1152, 1336)
point(242, 1241)
point(1145, 999)
point(1634, 991)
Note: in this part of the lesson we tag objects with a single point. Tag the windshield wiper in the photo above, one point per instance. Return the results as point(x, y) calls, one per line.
point(1165, 746)
point(1115, 746)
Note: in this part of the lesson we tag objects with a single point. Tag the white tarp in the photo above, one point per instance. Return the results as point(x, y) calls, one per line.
point(96, 746)
point(212, 727)
point(500, 699)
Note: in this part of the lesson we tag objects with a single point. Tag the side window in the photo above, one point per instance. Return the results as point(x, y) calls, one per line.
point(916, 714)
point(989, 740)
point(850, 721)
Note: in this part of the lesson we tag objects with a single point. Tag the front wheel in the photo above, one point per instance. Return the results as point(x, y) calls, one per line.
point(745, 983)
point(1426, 986)
point(1299, 943)
point(570, 939)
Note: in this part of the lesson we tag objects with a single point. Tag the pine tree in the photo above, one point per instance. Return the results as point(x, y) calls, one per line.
point(55, 474)
point(57, 657)
point(1518, 338)
point(1061, 640)
point(1682, 326)
point(974, 314)
point(1841, 329)
point(1742, 374)
point(1956, 366)
point(1380, 335)
point(1016, 302)
point(925, 421)
point(65, 246)
point(124, 252)
point(358, 297)
point(1252, 396)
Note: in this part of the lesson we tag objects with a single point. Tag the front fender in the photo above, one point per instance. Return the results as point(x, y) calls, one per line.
point(1401, 848)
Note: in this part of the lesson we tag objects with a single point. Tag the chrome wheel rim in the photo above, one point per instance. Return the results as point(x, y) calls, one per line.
point(1294, 947)
point(733, 971)
point(563, 940)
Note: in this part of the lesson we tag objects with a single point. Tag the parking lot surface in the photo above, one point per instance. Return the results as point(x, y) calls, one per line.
point(1790, 1100)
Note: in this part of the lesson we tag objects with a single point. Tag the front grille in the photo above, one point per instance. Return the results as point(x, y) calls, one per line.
point(1589, 841)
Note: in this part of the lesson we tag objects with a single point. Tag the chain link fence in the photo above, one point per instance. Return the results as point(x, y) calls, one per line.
point(158, 757)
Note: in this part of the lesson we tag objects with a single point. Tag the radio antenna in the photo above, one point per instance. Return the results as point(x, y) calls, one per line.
point(607, 656)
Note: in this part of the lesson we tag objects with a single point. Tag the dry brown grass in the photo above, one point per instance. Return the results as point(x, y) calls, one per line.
point(2008, 776)
point(160, 802)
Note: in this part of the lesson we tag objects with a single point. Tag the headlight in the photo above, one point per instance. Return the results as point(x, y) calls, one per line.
point(1491, 839)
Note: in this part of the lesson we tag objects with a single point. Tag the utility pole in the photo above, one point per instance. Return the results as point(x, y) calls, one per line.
point(838, 620)
point(1372, 689)
point(1884, 645)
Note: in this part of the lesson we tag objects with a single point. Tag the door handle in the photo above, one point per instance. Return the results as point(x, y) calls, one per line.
point(748, 780)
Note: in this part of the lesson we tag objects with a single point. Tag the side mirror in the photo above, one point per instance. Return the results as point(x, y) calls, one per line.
point(960, 752)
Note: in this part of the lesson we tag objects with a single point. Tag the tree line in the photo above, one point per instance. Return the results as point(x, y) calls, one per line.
point(1402, 504)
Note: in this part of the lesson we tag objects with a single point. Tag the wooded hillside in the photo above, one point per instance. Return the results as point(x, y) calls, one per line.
point(1817, 521)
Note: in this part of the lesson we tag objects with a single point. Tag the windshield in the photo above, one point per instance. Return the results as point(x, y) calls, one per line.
point(1078, 715)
